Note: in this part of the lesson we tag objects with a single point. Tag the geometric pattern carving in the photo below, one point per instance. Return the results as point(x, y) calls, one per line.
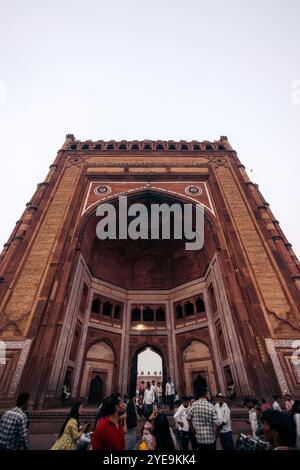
point(266, 277)
point(19, 306)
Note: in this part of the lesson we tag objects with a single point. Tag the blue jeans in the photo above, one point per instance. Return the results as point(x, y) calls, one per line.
point(226, 440)
point(148, 410)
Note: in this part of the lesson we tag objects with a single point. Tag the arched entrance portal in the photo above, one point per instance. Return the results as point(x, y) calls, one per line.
point(98, 373)
point(148, 364)
point(198, 368)
point(133, 294)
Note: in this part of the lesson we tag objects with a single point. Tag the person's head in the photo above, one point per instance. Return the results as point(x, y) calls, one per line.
point(220, 398)
point(75, 412)
point(191, 400)
point(185, 401)
point(132, 396)
point(203, 392)
point(142, 382)
point(22, 400)
point(249, 404)
point(153, 382)
point(158, 384)
point(279, 428)
point(115, 405)
point(148, 385)
point(161, 423)
point(276, 397)
point(177, 403)
point(296, 407)
point(287, 396)
point(263, 401)
point(169, 379)
point(161, 431)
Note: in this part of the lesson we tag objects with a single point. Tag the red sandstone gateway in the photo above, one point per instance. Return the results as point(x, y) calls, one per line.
point(77, 311)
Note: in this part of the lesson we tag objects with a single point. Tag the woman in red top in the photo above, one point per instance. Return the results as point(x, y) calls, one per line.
point(109, 434)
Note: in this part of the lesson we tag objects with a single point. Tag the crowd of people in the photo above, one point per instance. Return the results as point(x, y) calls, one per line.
point(186, 423)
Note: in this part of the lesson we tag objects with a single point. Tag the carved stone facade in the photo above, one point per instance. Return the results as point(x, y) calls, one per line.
point(78, 310)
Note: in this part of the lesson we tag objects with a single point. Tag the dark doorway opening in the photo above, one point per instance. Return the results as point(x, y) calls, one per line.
point(199, 384)
point(96, 390)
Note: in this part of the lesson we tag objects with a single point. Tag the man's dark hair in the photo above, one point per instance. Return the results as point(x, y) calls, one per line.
point(111, 403)
point(177, 403)
point(283, 424)
point(22, 399)
point(202, 392)
point(246, 400)
point(255, 402)
point(74, 413)
point(276, 397)
point(184, 399)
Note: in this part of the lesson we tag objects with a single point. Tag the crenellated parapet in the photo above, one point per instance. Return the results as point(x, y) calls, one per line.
point(220, 145)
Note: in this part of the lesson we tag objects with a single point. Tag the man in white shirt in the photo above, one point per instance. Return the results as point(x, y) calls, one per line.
point(170, 393)
point(182, 423)
point(224, 423)
point(149, 398)
point(254, 419)
point(154, 388)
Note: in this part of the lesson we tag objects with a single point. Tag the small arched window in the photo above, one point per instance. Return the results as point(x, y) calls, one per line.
point(107, 309)
point(73, 147)
point(179, 311)
point(184, 147)
point(122, 147)
point(85, 147)
point(160, 314)
point(117, 312)
point(136, 314)
point(148, 314)
point(110, 147)
point(96, 306)
point(197, 147)
point(159, 147)
point(172, 147)
point(221, 147)
point(98, 147)
point(189, 309)
point(147, 147)
point(212, 298)
point(200, 306)
point(135, 147)
point(209, 147)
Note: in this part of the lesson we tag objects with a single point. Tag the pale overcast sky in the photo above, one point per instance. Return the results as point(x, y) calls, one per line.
point(149, 361)
point(159, 69)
